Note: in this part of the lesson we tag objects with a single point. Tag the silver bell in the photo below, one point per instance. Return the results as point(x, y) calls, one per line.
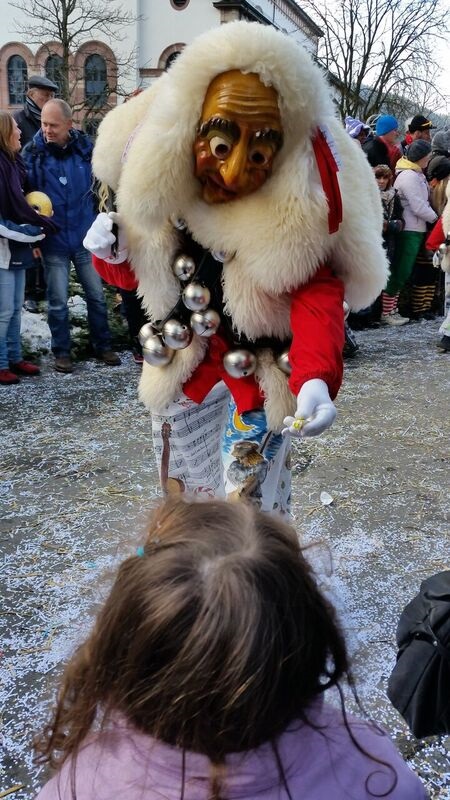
point(183, 267)
point(176, 334)
point(196, 297)
point(205, 323)
point(283, 362)
point(145, 333)
point(156, 353)
point(346, 309)
point(239, 363)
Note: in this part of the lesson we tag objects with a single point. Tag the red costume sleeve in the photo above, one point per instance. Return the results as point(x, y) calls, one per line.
point(436, 236)
point(120, 275)
point(317, 324)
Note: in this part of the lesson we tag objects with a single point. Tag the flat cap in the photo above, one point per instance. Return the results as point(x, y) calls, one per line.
point(40, 82)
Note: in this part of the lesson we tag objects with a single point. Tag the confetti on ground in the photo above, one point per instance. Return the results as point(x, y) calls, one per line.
point(78, 479)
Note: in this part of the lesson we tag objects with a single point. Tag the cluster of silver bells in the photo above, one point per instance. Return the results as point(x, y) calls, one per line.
point(159, 347)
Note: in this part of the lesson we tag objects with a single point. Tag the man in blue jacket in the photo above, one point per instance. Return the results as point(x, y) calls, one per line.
point(58, 160)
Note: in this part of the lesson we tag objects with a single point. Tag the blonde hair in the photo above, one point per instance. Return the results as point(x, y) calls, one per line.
point(6, 131)
point(439, 195)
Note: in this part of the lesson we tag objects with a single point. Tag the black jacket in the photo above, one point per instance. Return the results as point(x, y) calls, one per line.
point(376, 152)
point(28, 124)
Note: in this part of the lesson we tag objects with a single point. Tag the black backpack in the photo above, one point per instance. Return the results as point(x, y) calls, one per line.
point(419, 685)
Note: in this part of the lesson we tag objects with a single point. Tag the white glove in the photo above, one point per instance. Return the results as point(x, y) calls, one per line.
point(315, 411)
point(100, 238)
point(437, 259)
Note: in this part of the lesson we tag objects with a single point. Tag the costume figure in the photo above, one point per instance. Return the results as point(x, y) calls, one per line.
point(240, 197)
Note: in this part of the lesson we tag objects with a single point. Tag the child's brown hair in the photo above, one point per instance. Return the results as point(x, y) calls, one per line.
point(212, 641)
point(384, 171)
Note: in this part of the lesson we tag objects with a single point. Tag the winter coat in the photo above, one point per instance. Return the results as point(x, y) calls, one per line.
point(393, 221)
point(319, 763)
point(412, 187)
point(275, 240)
point(19, 223)
point(64, 174)
point(28, 125)
point(379, 152)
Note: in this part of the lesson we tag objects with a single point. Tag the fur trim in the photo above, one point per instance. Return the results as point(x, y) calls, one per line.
point(114, 133)
point(159, 386)
point(445, 264)
point(279, 402)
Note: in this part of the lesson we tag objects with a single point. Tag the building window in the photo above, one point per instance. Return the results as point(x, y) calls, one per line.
point(179, 4)
point(90, 126)
point(95, 83)
point(17, 80)
point(54, 71)
point(172, 58)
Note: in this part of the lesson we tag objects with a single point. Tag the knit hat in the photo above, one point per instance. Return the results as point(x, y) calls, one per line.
point(420, 123)
point(386, 124)
point(439, 168)
point(417, 150)
point(354, 127)
point(441, 140)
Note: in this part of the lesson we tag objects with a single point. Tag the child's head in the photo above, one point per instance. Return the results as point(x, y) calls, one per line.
point(383, 176)
point(213, 640)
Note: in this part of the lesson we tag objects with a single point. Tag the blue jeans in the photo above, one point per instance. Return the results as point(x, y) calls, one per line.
point(12, 288)
point(57, 271)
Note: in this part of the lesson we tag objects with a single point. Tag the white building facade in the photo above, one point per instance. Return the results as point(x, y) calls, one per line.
point(160, 30)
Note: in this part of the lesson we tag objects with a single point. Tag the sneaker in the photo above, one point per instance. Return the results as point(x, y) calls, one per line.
point(7, 377)
point(31, 306)
point(444, 344)
point(110, 358)
point(63, 364)
point(24, 368)
point(394, 319)
point(429, 316)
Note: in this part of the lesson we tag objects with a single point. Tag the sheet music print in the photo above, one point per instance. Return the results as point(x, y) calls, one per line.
point(187, 442)
point(210, 449)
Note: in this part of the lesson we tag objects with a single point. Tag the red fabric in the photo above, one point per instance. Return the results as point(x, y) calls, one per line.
point(394, 153)
point(328, 170)
point(120, 275)
point(246, 392)
point(436, 237)
point(317, 323)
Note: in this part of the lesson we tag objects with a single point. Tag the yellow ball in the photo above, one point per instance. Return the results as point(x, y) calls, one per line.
point(40, 202)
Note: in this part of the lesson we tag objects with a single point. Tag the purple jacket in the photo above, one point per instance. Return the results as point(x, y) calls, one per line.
point(319, 764)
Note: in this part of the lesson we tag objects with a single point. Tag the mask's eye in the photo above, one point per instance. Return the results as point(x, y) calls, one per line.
point(220, 147)
point(261, 155)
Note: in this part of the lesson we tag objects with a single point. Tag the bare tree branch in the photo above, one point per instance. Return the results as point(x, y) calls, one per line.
point(378, 48)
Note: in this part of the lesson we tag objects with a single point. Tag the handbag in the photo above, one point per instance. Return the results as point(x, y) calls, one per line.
point(419, 685)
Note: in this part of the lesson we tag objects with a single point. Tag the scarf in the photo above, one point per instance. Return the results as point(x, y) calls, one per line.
point(33, 110)
point(404, 163)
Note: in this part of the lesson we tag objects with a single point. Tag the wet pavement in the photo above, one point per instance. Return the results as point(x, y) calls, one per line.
point(78, 478)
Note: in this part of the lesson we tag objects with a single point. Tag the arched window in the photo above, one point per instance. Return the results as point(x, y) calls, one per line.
point(172, 58)
point(95, 83)
point(54, 70)
point(17, 80)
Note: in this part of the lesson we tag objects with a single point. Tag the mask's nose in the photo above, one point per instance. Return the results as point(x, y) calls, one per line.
point(233, 170)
